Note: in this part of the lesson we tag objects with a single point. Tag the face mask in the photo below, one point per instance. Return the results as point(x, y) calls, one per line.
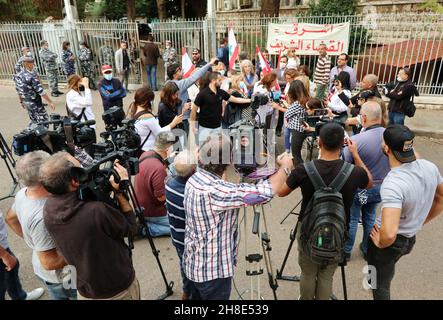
point(168, 46)
point(108, 76)
point(283, 65)
point(222, 72)
point(82, 47)
point(81, 88)
point(399, 79)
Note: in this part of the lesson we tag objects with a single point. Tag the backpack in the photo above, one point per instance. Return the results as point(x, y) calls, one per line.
point(323, 229)
point(409, 109)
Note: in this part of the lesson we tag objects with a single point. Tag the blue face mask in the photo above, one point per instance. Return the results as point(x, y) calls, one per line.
point(108, 76)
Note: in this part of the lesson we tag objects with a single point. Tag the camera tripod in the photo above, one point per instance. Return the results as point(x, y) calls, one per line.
point(6, 155)
point(256, 258)
point(139, 213)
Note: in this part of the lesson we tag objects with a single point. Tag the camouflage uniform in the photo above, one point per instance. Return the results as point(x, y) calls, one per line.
point(107, 55)
point(49, 62)
point(169, 57)
point(68, 64)
point(87, 65)
point(30, 91)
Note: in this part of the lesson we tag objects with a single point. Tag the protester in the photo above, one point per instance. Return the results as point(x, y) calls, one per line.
point(342, 65)
point(197, 59)
point(321, 73)
point(68, 59)
point(369, 82)
point(87, 64)
point(212, 206)
point(90, 234)
point(79, 99)
point(169, 104)
point(339, 102)
point(209, 101)
point(150, 184)
point(223, 52)
point(258, 67)
point(234, 112)
point(225, 81)
point(123, 63)
point(249, 78)
point(303, 70)
point(111, 89)
point(152, 54)
point(281, 83)
point(400, 95)
point(49, 61)
point(306, 83)
point(412, 195)
point(316, 281)
point(356, 121)
point(169, 57)
point(266, 114)
point(293, 60)
point(366, 201)
point(30, 92)
point(26, 219)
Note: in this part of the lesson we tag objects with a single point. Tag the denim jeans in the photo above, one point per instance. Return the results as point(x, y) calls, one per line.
point(384, 261)
point(396, 118)
point(10, 282)
point(368, 214)
point(204, 133)
point(287, 139)
point(151, 71)
point(297, 139)
point(57, 292)
point(218, 289)
point(158, 226)
point(188, 285)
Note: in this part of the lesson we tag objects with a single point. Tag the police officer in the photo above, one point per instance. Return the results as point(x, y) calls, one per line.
point(19, 64)
point(30, 91)
point(107, 55)
point(49, 62)
point(87, 64)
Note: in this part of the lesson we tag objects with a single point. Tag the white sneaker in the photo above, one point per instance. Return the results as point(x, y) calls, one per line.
point(35, 294)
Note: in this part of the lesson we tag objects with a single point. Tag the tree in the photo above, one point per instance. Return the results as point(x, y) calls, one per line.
point(433, 6)
point(130, 4)
point(270, 8)
point(161, 7)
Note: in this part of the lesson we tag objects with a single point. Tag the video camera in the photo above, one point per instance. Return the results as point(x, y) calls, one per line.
point(40, 137)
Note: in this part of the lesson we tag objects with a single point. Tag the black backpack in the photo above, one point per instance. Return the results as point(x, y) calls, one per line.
point(323, 228)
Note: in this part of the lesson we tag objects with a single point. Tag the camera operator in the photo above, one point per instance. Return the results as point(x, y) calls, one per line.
point(79, 99)
point(400, 94)
point(26, 219)
point(150, 184)
point(316, 280)
point(212, 206)
point(412, 195)
point(90, 234)
point(366, 201)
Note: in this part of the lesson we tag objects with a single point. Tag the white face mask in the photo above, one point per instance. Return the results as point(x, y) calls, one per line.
point(399, 79)
point(168, 46)
point(222, 72)
point(283, 65)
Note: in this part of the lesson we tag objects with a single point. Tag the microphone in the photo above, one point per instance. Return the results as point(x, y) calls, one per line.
point(85, 123)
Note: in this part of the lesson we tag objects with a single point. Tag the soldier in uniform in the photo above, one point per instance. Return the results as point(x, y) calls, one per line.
point(169, 57)
point(49, 62)
point(68, 59)
point(30, 91)
point(19, 64)
point(87, 64)
point(107, 55)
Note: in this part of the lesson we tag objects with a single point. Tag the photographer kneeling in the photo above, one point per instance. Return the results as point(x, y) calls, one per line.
point(90, 234)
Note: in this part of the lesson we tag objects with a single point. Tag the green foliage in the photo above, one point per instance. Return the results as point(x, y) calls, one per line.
point(433, 6)
point(146, 8)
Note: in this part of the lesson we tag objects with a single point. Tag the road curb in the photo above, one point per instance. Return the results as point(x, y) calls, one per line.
point(427, 133)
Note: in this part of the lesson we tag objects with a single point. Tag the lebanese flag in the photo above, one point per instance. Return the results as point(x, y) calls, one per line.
point(187, 65)
point(233, 47)
point(265, 65)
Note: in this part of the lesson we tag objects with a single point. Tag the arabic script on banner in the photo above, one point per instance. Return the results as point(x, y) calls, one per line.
point(305, 38)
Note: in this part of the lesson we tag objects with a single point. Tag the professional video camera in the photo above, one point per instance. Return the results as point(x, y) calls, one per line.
point(249, 143)
point(120, 135)
point(64, 132)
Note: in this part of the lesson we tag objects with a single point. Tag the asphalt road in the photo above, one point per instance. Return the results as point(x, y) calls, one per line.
point(418, 275)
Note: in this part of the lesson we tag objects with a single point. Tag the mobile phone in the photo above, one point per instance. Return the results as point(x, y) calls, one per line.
point(320, 112)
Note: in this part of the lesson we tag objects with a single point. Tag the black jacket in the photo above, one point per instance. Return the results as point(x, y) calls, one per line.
point(401, 95)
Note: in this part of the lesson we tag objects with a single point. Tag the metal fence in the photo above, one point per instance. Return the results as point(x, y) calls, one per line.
point(13, 36)
point(379, 43)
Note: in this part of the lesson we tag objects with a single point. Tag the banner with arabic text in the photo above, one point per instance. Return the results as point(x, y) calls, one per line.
point(305, 38)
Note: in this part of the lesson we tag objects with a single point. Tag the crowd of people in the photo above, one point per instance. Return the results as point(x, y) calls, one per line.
point(190, 198)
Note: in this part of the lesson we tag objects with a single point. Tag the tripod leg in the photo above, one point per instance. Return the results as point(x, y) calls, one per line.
point(291, 212)
point(292, 237)
point(265, 240)
point(343, 279)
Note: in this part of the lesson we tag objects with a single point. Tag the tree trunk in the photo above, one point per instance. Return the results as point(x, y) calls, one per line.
point(183, 7)
point(270, 8)
point(161, 7)
point(131, 10)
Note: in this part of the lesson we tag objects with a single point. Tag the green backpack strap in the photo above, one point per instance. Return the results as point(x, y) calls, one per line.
point(342, 176)
point(314, 176)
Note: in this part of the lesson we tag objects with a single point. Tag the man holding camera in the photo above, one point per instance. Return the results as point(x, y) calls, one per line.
point(316, 279)
point(26, 219)
point(90, 234)
point(212, 206)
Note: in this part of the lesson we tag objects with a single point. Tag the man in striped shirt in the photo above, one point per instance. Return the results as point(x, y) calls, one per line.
point(212, 206)
point(185, 165)
point(321, 73)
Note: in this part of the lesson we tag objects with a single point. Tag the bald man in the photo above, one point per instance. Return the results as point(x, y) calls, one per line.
point(369, 143)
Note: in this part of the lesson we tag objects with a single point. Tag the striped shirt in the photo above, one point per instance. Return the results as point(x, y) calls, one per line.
point(175, 193)
point(322, 70)
point(211, 236)
point(295, 115)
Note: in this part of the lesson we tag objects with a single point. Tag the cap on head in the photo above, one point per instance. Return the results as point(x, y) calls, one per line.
point(105, 68)
point(400, 140)
point(196, 50)
point(25, 48)
point(28, 59)
point(43, 42)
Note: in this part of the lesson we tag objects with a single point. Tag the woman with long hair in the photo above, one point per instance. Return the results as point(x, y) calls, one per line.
point(68, 59)
point(249, 77)
point(146, 124)
point(267, 113)
point(296, 115)
point(293, 60)
point(340, 100)
point(79, 99)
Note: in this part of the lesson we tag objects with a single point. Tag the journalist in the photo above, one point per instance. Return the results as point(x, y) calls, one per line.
point(211, 206)
point(412, 195)
point(25, 218)
point(366, 201)
point(316, 280)
point(90, 234)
